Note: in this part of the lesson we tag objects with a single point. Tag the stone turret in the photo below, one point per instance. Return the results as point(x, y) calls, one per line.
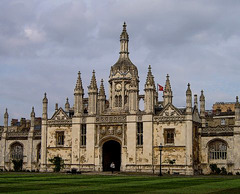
point(92, 95)
point(78, 97)
point(121, 74)
point(6, 116)
point(189, 100)
point(101, 98)
point(150, 91)
point(167, 93)
point(45, 107)
point(67, 105)
point(237, 112)
point(133, 96)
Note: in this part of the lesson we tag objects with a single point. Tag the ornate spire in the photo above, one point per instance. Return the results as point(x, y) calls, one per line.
point(202, 97)
point(150, 78)
point(33, 113)
point(93, 84)
point(124, 42)
point(101, 90)
point(45, 100)
point(237, 105)
point(79, 83)
point(167, 85)
point(6, 114)
point(67, 105)
point(188, 92)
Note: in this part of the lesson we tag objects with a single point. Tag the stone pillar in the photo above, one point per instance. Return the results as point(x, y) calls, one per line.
point(133, 96)
point(189, 132)
point(236, 141)
point(30, 141)
point(43, 167)
point(202, 109)
point(3, 141)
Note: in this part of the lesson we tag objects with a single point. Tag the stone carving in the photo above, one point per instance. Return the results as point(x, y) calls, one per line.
point(114, 119)
point(110, 131)
point(119, 131)
point(103, 131)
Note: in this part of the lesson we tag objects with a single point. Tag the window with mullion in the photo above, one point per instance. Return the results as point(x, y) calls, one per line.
point(83, 135)
point(139, 133)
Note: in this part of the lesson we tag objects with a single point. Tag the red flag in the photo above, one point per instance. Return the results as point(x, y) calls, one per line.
point(160, 88)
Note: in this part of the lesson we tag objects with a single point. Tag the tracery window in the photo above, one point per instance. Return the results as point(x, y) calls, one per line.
point(118, 101)
point(169, 136)
point(83, 135)
point(60, 138)
point(217, 150)
point(17, 151)
point(139, 133)
point(125, 99)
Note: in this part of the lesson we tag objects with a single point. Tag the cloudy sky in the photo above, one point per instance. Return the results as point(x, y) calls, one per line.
point(43, 44)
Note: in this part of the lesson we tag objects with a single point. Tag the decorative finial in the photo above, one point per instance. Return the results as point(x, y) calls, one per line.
point(124, 26)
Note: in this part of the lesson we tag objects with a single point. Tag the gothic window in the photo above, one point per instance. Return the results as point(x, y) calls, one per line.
point(125, 99)
point(217, 150)
point(169, 136)
point(38, 152)
point(17, 151)
point(60, 138)
point(116, 101)
point(120, 101)
point(139, 133)
point(83, 134)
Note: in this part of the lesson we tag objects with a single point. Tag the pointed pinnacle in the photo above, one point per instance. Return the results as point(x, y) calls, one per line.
point(6, 113)
point(102, 90)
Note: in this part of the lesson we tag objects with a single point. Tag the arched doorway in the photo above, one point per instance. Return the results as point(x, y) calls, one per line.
point(111, 152)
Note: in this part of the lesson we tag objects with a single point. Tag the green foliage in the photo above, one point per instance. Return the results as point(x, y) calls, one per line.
point(223, 171)
point(17, 165)
point(213, 168)
point(58, 163)
point(216, 170)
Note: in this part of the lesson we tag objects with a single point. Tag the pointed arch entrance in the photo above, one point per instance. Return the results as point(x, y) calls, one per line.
point(111, 152)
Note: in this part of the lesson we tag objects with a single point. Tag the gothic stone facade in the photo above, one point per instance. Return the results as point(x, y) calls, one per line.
point(97, 131)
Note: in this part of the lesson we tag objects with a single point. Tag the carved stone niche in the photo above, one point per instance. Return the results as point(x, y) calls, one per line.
point(110, 131)
point(103, 131)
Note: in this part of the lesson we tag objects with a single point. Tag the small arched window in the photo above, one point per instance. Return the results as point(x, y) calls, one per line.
point(17, 151)
point(217, 150)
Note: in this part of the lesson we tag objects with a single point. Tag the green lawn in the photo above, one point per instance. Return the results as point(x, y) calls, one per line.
point(64, 183)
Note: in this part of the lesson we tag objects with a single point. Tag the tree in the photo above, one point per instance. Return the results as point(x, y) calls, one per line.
point(58, 163)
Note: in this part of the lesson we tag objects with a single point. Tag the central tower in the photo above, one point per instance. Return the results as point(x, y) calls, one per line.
point(123, 79)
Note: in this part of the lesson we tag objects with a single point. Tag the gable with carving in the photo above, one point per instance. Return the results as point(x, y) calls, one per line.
point(60, 115)
point(170, 111)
